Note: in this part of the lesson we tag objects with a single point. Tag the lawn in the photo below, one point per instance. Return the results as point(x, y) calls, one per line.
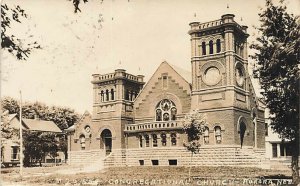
point(156, 175)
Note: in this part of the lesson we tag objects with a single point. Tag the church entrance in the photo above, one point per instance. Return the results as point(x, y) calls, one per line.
point(242, 132)
point(106, 139)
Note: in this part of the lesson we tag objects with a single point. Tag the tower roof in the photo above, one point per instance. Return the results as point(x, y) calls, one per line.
point(227, 20)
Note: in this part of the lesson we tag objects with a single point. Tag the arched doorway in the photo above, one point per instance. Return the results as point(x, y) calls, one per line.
point(242, 131)
point(106, 141)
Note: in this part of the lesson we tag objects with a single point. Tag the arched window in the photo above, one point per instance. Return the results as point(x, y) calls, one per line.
point(102, 95)
point(127, 95)
point(242, 50)
point(165, 110)
point(203, 45)
point(163, 139)
point(211, 47)
point(218, 45)
point(218, 134)
point(132, 96)
point(173, 139)
point(141, 141)
point(107, 95)
point(112, 94)
point(147, 140)
point(154, 140)
point(206, 135)
point(158, 114)
point(166, 116)
point(82, 142)
point(173, 113)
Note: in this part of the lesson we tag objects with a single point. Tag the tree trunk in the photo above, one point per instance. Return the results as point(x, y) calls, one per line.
point(295, 161)
point(190, 168)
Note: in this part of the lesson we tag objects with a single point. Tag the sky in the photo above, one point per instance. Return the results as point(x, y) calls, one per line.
point(136, 35)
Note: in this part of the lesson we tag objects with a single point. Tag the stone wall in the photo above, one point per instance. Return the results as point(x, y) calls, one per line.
point(85, 156)
point(207, 156)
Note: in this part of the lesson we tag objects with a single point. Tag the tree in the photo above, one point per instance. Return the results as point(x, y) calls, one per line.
point(6, 130)
point(37, 145)
point(10, 42)
point(10, 105)
point(76, 5)
point(194, 125)
point(277, 56)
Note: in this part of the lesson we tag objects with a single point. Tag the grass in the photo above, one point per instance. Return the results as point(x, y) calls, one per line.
point(134, 175)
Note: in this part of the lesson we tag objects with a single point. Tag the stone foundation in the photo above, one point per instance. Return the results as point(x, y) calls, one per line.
point(208, 156)
point(85, 157)
point(232, 156)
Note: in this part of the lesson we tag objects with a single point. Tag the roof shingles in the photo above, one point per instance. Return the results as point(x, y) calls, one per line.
point(41, 125)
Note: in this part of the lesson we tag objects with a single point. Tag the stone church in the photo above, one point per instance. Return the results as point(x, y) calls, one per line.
point(140, 123)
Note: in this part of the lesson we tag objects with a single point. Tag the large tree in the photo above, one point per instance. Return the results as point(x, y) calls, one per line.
point(277, 62)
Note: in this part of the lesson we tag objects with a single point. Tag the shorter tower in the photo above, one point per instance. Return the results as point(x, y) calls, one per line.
point(113, 96)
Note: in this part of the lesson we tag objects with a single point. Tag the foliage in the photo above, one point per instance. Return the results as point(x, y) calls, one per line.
point(76, 5)
point(10, 104)
point(11, 43)
point(6, 130)
point(278, 60)
point(37, 145)
point(194, 123)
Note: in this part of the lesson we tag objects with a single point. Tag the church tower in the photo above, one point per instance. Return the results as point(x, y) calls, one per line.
point(220, 80)
point(113, 96)
point(219, 63)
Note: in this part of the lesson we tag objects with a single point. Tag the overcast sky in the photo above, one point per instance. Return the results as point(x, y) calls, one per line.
point(136, 34)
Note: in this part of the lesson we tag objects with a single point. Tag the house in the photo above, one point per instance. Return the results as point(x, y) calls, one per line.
point(140, 123)
point(10, 148)
point(278, 150)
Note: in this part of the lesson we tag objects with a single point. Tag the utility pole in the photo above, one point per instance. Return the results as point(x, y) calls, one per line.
point(21, 137)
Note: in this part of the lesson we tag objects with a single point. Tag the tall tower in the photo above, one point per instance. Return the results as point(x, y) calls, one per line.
point(220, 81)
point(113, 96)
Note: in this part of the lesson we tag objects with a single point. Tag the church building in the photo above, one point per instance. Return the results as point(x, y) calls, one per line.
point(136, 119)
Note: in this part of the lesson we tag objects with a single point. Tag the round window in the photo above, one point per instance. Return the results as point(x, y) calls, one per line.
point(212, 76)
point(87, 129)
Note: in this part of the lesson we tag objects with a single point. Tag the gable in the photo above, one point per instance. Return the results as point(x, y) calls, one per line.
point(14, 122)
point(79, 127)
point(166, 83)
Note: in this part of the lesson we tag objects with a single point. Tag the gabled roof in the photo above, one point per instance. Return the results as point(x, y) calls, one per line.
point(187, 75)
point(72, 128)
point(41, 125)
point(11, 116)
point(182, 79)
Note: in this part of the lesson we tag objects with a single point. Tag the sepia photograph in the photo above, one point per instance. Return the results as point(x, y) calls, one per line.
point(150, 92)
